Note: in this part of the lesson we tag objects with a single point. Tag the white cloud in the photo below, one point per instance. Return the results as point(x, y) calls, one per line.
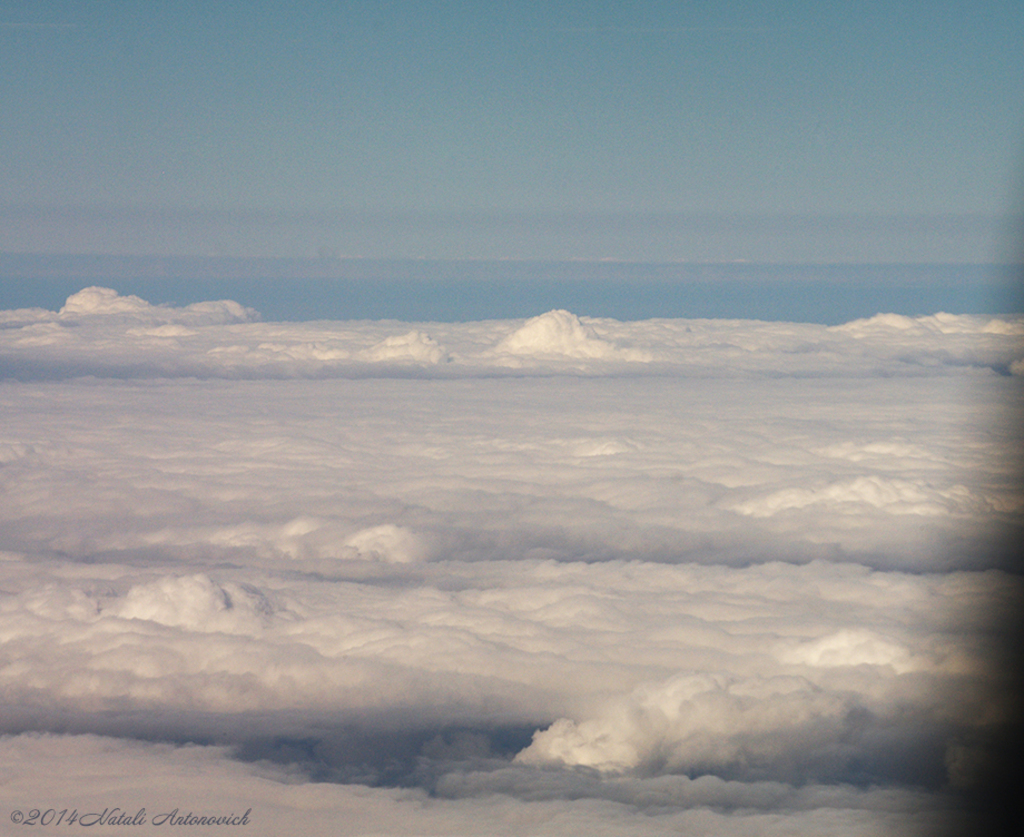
point(194, 603)
point(891, 496)
point(413, 346)
point(852, 647)
point(388, 543)
point(698, 721)
point(106, 303)
point(561, 333)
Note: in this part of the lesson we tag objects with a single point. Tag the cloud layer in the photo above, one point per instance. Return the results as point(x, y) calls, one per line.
point(568, 575)
point(99, 333)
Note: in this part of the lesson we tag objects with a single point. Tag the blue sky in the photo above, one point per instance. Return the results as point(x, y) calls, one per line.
point(794, 131)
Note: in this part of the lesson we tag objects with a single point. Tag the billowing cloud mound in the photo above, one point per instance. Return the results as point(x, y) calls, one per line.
point(414, 346)
point(560, 333)
point(389, 543)
point(194, 603)
point(442, 576)
point(703, 722)
point(887, 495)
point(941, 323)
point(107, 303)
point(852, 647)
point(103, 301)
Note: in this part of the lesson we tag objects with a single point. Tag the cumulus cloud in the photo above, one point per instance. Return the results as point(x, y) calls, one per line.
point(388, 543)
point(97, 302)
point(692, 721)
point(195, 603)
point(560, 333)
point(413, 346)
point(852, 647)
point(714, 576)
point(892, 496)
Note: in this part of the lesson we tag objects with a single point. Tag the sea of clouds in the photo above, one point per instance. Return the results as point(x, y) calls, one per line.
point(551, 576)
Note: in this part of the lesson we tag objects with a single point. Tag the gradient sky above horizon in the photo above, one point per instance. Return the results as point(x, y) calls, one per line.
point(447, 129)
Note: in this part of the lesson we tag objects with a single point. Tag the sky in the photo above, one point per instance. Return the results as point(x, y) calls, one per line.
point(874, 132)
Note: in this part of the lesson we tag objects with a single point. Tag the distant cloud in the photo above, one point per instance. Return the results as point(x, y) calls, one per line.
point(124, 335)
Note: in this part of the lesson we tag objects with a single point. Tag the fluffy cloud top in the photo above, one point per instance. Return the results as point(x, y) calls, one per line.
point(96, 302)
point(560, 333)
